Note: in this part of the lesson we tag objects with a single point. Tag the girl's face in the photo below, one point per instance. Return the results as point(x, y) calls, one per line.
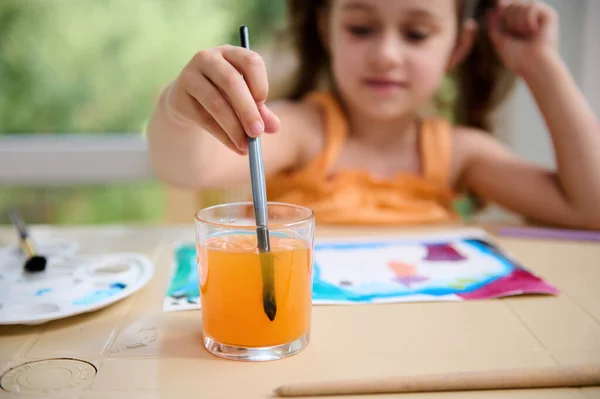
point(388, 57)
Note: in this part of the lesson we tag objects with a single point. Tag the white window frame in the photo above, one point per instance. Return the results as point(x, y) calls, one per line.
point(590, 80)
point(73, 159)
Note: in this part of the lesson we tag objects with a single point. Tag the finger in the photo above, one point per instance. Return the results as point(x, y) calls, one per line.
point(217, 131)
point(505, 22)
point(500, 11)
point(191, 110)
point(523, 23)
point(533, 19)
point(515, 19)
point(181, 105)
point(544, 15)
point(231, 82)
point(528, 13)
point(272, 121)
point(215, 103)
point(251, 65)
point(494, 29)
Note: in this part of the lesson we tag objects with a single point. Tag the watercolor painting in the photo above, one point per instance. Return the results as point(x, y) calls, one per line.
point(437, 268)
point(455, 266)
point(183, 292)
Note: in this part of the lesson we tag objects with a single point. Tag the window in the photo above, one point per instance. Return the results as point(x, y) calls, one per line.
point(92, 69)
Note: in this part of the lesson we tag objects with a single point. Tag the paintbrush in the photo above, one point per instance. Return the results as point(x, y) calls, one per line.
point(34, 262)
point(259, 198)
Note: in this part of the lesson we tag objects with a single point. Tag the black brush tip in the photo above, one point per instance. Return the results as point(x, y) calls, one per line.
point(270, 307)
point(244, 37)
point(35, 264)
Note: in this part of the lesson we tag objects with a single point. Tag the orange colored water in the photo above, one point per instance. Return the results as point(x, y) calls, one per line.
point(231, 290)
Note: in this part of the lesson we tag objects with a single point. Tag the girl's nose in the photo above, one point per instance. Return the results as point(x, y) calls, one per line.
point(387, 52)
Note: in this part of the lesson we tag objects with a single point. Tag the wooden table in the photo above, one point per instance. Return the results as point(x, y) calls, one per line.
point(142, 353)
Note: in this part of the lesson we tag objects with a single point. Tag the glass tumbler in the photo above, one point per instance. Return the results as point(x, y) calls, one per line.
point(255, 306)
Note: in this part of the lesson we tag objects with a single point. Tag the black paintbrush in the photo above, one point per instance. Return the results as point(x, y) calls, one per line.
point(34, 262)
point(259, 196)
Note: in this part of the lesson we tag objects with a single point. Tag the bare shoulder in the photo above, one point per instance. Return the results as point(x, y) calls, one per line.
point(301, 122)
point(470, 141)
point(470, 144)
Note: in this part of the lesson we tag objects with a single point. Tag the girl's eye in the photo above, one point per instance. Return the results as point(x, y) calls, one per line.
point(415, 36)
point(360, 30)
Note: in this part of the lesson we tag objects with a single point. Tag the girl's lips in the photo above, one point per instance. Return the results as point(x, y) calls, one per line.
point(385, 85)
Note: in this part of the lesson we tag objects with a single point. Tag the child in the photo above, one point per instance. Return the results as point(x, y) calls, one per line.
point(351, 142)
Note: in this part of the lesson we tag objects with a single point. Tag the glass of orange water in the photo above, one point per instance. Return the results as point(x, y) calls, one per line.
point(235, 322)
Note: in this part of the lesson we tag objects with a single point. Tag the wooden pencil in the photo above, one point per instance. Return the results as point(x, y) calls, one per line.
point(552, 377)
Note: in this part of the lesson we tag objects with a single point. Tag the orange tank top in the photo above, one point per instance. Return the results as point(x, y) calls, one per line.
point(355, 197)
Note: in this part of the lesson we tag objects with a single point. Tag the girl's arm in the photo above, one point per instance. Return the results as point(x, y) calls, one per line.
point(571, 195)
point(575, 132)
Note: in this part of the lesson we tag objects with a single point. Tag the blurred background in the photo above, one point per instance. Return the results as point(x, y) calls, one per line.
point(79, 78)
point(94, 68)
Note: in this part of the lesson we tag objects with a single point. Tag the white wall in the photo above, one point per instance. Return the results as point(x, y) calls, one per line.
point(591, 54)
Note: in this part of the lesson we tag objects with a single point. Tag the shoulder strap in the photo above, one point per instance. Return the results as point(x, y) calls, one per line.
point(436, 150)
point(336, 129)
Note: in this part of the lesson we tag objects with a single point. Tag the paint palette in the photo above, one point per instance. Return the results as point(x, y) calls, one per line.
point(72, 283)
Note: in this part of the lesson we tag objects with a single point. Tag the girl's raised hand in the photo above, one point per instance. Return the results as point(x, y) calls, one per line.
point(522, 32)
